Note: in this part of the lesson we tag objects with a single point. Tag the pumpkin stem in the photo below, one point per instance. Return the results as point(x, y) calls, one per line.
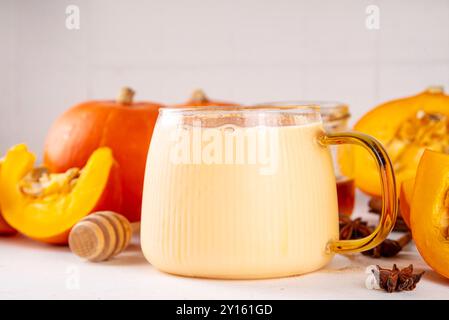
point(435, 89)
point(198, 96)
point(126, 96)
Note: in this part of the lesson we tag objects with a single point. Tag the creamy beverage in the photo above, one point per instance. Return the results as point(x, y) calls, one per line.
point(232, 201)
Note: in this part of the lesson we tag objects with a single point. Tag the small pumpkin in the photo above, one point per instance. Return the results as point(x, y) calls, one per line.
point(200, 99)
point(123, 125)
point(406, 127)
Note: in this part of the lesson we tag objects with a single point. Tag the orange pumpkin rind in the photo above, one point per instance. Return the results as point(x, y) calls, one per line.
point(124, 125)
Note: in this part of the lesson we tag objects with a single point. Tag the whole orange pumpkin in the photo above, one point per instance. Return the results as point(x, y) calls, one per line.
point(122, 125)
point(200, 99)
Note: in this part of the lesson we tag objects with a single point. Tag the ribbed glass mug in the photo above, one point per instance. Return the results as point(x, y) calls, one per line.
point(249, 192)
point(335, 116)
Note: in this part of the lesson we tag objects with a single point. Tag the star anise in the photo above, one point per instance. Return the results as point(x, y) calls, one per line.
point(389, 248)
point(357, 228)
point(396, 280)
point(353, 229)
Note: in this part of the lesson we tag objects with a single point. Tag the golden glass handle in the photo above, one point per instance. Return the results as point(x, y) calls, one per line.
point(388, 183)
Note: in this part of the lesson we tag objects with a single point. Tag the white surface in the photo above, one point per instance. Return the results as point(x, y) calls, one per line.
point(242, 50)
point(35, 271)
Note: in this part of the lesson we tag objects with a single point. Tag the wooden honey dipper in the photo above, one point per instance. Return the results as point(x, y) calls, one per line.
point(100, 236)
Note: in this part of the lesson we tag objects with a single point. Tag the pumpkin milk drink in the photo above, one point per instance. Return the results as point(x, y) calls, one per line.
point(238, 196)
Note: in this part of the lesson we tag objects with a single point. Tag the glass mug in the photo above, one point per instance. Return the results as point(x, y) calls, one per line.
point(335, 116)
point(249, 192)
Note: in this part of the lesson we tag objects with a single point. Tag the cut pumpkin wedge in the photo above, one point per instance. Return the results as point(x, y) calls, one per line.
point(405, 199)
point(406, 127)
point(429, 214)
point(45, 206)
point(5, 228)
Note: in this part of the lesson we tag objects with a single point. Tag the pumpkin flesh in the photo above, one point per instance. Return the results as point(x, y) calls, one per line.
point(406, 127)
point(50, 216)
point(429, 215)
point(5, 228)
point(405, 199)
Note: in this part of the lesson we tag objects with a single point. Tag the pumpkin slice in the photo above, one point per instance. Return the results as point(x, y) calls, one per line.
point(405, 199)
point(406, 127)
point(45, 206)
point(5, 228)
point(429, 214)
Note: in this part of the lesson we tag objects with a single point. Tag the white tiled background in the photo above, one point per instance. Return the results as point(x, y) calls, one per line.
point(238, 50)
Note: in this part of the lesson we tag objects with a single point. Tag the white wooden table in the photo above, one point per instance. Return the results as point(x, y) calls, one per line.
point(35, 271)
